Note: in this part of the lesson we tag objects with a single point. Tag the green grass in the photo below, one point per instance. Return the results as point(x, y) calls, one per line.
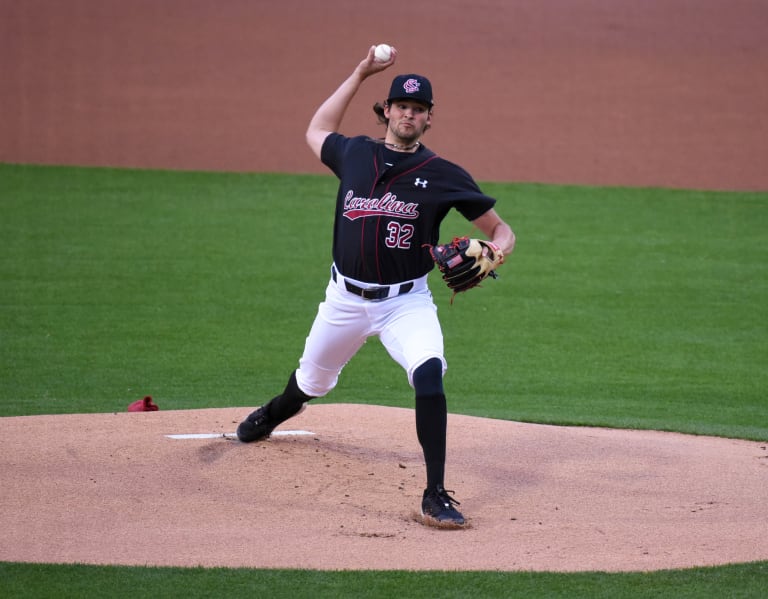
point(23, 580)
point(635, 308)
point(192, 288)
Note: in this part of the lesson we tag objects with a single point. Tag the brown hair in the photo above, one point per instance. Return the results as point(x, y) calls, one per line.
point(378, 108)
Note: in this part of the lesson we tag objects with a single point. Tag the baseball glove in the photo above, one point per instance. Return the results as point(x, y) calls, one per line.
point(465, 262)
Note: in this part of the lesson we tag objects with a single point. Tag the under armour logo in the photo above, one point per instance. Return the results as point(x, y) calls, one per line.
point(422, 182)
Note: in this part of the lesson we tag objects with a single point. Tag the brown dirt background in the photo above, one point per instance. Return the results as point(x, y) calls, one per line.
point(656, 93)
point(668, 93)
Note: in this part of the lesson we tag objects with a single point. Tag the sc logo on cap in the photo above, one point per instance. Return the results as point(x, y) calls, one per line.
point(411, 86)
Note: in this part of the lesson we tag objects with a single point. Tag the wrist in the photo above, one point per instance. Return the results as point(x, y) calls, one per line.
point(497, 250)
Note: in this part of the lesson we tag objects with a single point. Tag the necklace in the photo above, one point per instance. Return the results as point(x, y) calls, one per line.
point(402, 148)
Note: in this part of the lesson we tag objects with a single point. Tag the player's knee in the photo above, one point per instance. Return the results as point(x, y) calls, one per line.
point(428, 378)
point(314, 381)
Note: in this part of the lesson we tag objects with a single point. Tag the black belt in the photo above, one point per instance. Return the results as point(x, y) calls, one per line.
point(373, 293)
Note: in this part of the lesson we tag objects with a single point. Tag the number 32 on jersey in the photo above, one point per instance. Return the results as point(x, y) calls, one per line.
point(399, 235)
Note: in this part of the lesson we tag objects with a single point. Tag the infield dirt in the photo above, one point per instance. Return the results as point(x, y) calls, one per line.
point(115, 489)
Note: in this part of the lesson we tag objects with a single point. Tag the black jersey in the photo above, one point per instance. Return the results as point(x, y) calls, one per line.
point(390, 205)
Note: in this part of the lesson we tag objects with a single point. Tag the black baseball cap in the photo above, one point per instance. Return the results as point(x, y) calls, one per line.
point(411, 87)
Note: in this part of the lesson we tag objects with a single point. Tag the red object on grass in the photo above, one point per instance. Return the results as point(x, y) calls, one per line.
point(143, 405)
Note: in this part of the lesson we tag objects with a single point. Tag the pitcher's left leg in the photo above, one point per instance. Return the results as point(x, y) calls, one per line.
point(414, 338)
point(437, 504)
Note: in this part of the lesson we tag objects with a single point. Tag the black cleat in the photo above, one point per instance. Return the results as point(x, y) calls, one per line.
point(437, 506)
point(256, 427)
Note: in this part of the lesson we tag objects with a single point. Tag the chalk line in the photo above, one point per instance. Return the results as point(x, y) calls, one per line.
point(233, 435)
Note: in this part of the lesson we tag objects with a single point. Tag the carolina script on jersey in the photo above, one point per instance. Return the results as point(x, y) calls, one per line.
point(386, 205)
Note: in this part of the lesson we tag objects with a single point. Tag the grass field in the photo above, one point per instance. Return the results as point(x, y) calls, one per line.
point(632, 308)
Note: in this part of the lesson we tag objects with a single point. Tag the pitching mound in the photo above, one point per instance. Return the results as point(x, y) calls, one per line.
point(339, 489)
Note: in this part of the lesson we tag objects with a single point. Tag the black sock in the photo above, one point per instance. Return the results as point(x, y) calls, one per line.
point(431, 418)
point(288, 404)
point(431, 427)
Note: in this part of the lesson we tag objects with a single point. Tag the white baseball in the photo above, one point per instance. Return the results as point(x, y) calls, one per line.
point(383, 52)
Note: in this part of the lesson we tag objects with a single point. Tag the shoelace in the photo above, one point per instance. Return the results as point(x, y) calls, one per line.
point(446, 498)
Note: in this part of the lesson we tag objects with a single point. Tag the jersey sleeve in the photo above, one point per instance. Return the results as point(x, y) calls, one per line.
point(332, 152)
point(465, 195)
point(340, 152)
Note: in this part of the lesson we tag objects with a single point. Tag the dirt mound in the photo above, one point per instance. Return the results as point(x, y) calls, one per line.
point(340, 486)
